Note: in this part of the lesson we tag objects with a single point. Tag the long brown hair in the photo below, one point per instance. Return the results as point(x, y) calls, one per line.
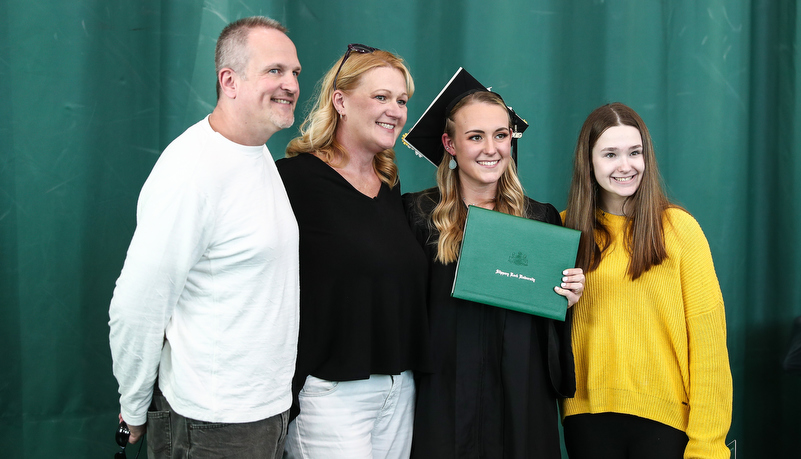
point(645, 236)
point(317, 133)
point(450, 214)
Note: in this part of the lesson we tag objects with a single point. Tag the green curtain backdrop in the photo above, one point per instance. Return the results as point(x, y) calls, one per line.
point(92, 91)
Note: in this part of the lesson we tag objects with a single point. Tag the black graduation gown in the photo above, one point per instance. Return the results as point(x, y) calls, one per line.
point(497, 373)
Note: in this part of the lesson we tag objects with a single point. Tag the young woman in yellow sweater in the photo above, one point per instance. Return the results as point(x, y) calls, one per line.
point(649, 334)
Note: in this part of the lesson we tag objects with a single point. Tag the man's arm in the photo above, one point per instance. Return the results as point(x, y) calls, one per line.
point(170, 238)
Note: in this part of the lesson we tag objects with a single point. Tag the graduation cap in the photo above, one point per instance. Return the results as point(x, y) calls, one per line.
point(425, 137)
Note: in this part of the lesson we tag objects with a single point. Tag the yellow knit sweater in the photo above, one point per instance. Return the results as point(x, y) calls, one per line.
point(656, 347)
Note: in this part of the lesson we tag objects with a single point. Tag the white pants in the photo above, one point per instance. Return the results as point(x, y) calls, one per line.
point(370, 418)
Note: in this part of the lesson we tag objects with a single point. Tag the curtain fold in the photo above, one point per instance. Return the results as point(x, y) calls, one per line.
point(91, 92)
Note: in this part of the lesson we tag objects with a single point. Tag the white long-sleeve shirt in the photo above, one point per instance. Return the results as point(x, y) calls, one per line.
point(208, 297)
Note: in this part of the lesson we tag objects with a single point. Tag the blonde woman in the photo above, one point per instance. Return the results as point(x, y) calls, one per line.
point(497, 373)
point(363, 328)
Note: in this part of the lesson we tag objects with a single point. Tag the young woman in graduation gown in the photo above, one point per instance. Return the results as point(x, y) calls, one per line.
point(497, 373)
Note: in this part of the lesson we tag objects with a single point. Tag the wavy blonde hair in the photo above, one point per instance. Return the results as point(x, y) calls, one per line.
point(450, 214)
point(645, 236)
point(317, 133)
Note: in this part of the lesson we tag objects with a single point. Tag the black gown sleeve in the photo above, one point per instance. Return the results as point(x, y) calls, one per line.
point(561, 367)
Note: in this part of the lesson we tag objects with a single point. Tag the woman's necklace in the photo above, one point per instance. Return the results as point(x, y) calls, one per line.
point(488, 204)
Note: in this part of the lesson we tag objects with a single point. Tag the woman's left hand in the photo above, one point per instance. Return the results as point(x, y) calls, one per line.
point(572, 285)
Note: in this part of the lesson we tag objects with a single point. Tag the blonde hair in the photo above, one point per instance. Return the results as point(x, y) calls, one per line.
point(450, 214)
point(645, 238)
point(317, 133)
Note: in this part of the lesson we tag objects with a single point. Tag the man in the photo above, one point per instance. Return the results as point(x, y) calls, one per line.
point(205, 312)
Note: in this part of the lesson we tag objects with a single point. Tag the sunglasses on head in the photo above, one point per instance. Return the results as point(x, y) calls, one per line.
point(361, 49)
point(123, 433)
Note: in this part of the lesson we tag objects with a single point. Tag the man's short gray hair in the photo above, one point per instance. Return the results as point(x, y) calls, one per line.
point(232, 49)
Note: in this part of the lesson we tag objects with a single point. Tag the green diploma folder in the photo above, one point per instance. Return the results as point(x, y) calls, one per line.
point(514, 263)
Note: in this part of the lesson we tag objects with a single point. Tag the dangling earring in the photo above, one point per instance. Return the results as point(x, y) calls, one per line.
point(452, 163)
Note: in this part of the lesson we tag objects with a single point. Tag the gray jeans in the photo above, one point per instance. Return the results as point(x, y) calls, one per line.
point(172, 436)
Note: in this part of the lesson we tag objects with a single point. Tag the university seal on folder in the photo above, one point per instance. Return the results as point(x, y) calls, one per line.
point(514, 263)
